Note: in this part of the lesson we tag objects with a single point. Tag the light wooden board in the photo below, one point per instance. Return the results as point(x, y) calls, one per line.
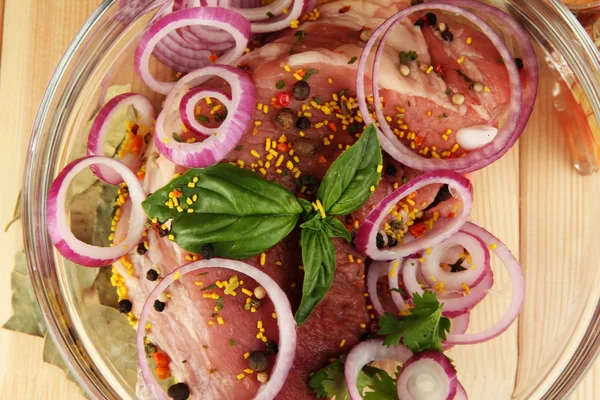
point(33, 39)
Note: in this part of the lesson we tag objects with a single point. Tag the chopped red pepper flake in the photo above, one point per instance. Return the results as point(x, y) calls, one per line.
point(283, 99)
point(163, 372)
point(417, 230)
point(332, 126)
point(344, 9)
point(161, 359)
point(177, 193)
point(213, 58)
point(452, 215)
point(282, 147)
point(419, 140)
point(440, 69)
point(322, 159)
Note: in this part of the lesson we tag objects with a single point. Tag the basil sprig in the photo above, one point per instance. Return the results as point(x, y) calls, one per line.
point(234, 210)
point(347, 185)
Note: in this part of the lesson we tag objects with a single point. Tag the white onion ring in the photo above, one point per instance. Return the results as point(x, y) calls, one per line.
point(394, 273)
point(425, 372)
point(366, 238)
point(285, 322)
point(366, 352)
point(236, 25)
point(518, 290)
point(376, 270)
point(225, 137)
point(101, 126)
point(63, 239)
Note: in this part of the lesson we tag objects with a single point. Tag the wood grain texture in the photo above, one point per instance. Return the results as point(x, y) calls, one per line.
point(34, 37)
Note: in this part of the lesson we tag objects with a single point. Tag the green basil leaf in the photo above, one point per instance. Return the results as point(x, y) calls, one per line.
point(236, 211)
point(348, 182)
point(335, 228)
point(315, 223)
point(318, 257)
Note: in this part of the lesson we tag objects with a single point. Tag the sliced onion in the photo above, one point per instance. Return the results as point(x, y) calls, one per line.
point(366, 238)
point(236, 25)
point(187, 108)
point(428, 375)
point(278, 23)
point(376, 270)
point(475, 160)
point(100, 128)
point(262, 13)
point(518, 290)
point(455, 304)
point(458, 325)
point(394, 273)
point(365, 353)
point(454, 281)
point(285, 323)
point(63, 239)
point(461, 393)
point(225, 137)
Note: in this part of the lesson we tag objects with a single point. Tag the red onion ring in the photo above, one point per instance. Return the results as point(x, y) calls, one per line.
point(285, 322)
point(63, 239)
point(453, 281)
point(475, 160)
point(366, 238)
point(427, 375)
point(277, 24)
point(101, 125)
point(394, 273)
point(366, 352)
point(518, 290)
point(461, 393)
point(376, 270)
point(236, 25)
point(225, 137)
point(452, 306)
point(187, 108)
point(458, 325)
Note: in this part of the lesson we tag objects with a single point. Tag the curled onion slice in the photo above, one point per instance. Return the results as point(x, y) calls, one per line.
point(365, 353)
point(455, 304)
point(233, 23)
point(58, 227)
point(454, 281)
point(518, 289)
point(474, 160)
point(376, 270)
point(458, 325)
point(285, 322)
point(366, 238)
point(224, 138)
point(278, 23)
point(187, 108)
point(144, 114)
point(428, 375)
point(461, 393)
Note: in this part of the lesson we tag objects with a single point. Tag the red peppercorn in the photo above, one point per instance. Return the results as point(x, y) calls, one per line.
point(439, 69)
point(283, 99)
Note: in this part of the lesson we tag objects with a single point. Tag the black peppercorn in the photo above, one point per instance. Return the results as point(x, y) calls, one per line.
point(141, 249)
point(519, 62)
point(420, 23)
point(271, 347)
point(431, 18)
point(162, 232)
point(379, 241)
point(258, 361)
point(125, 306)
point(286, 119)
point(159, 306)
point(301, 90)
point(304, 147)
point(392, 242)
point(447, 36)
point(303, 123)
point(179, 391)
point(152, 275)
point(365, 336)
point(391, 170)
point(207, 251)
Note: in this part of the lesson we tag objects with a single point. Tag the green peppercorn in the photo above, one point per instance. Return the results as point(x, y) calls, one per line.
point(301, 90)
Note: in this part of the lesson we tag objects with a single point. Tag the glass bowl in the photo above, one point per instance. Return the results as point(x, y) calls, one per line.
point(540, 199)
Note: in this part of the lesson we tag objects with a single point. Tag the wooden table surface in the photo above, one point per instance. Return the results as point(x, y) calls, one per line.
point(33, 37)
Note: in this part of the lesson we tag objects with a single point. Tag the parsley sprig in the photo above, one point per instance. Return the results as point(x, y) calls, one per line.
point(423, 329)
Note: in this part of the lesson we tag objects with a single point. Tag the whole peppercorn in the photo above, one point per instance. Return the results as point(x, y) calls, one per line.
point(179, 391)
point(125, 306)
point(159, 306)
point(379, 241)
point(301, 90)
point(431, 18)
point(304, 147)
point(152, 275)
point(258, 361)
point(391, 170)
point(447, 36)
point(303, 123)
point(286, 119)
point(271, 347)
point(141, 249)
point(207, 251)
